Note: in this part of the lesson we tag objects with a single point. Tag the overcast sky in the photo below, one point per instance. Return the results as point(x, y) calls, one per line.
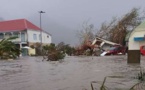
point(64, 17)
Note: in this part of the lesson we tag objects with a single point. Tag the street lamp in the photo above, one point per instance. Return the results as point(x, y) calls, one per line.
point(41, 28)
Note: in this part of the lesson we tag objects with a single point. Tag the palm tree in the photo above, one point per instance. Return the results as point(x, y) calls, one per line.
point(8, 49)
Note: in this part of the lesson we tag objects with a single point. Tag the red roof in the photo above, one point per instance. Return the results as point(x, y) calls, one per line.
point(17, 25)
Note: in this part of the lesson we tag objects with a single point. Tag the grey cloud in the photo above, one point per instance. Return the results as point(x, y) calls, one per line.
point(63, 17)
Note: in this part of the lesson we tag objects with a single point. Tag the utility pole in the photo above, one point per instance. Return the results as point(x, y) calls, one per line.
point(41, 12)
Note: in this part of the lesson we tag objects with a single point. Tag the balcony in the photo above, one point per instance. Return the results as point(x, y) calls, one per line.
point(21, 36)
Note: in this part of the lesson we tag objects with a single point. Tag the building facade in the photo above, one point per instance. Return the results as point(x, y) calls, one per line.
point(136, 40)
point(28, 34)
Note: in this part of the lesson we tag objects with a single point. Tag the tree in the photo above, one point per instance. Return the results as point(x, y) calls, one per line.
point(38, 48)
point(8, 49)
point(117, 29)
point(86, 33)
point(86, 36)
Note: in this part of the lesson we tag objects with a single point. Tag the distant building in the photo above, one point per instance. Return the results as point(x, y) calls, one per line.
point(28, 33)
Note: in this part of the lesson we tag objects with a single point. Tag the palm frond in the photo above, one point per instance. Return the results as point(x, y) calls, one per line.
point(12, 38)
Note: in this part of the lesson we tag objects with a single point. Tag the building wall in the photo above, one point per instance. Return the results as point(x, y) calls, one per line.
point(46, 38)
point(137, 39)
point(135, 45)
point(32, 43)
point(28, 36)
point(19, 35)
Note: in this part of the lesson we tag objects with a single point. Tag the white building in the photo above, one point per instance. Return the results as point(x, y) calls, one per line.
point(28, 33)
point(136, 39)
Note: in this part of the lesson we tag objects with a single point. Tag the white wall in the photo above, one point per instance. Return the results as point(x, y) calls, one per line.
point(135, 45)
point(46, 38)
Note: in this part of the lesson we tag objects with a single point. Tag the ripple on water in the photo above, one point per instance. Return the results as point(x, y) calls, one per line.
point(74, 73)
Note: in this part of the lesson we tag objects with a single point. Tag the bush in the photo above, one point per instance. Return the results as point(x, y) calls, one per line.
point(55, 56)
point(53, 53)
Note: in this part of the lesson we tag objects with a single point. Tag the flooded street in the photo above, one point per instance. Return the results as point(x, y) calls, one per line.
point(74, 73)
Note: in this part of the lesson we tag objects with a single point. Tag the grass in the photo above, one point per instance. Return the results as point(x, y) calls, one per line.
point(138, 86)
point(103, 87)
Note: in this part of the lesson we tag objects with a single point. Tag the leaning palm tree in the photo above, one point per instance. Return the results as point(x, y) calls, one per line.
point(8, 49)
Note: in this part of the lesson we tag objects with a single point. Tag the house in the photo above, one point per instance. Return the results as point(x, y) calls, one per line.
point(136, 40)
point(102, 43)
point(28, 33)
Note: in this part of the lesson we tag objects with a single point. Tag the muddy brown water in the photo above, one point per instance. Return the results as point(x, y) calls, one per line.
point(73, 73)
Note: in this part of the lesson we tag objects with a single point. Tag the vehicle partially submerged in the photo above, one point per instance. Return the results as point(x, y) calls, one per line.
point(142, 50)
point(108, 47)
point(115, 50)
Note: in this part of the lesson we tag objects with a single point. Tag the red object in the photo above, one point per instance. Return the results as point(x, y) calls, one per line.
point(116, 50)
point(17, 25)
point(142, 50)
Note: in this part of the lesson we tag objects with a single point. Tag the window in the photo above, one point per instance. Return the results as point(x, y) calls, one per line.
point(47, 36)
point(1, 35)
point(23, 37)
point(34, 37)
point(16, 34)
point(8, 34)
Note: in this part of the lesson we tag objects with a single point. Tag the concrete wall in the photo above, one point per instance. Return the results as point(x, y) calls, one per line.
point(31, 51)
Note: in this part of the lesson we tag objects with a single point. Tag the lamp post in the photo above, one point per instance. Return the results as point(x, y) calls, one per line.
point(40, 12)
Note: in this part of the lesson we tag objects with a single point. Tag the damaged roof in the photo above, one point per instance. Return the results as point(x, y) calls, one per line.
point(103, 40)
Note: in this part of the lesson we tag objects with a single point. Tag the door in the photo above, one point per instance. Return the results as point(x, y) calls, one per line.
point(24, 52)
point(22, 37)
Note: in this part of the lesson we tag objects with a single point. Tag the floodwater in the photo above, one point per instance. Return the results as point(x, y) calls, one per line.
point(73, 73)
